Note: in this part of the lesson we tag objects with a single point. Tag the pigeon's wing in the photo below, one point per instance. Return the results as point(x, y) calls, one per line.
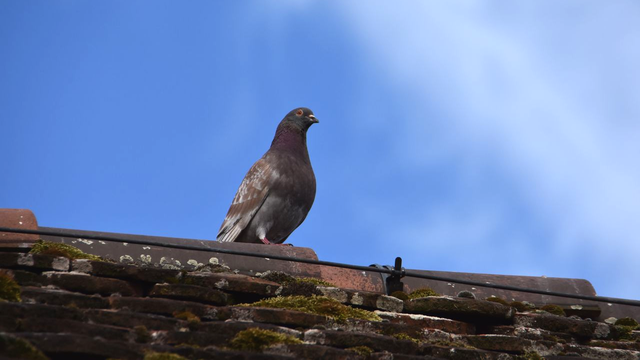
point(252, 193)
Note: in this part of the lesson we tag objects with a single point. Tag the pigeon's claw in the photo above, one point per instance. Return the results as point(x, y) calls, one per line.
point(266, 241)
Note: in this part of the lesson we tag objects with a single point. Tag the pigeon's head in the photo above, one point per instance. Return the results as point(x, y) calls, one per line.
point(302, 118)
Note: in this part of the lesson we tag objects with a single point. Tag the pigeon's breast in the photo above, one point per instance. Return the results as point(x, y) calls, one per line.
point(290, 198)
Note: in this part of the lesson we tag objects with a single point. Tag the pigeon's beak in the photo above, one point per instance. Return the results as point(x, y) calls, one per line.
point(313, 119)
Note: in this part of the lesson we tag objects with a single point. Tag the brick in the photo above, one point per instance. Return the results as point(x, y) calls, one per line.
point(601, 353)
point(463, 309)
point(344, 339)
point(9, 260)
point(364, 299)
point(309, 351)
point(23, 310)
point(44, 262)
point(212, 353)
point(460, 353)
point(126, 272)
point(581, 329)
point(82, 347)
point(198, 338)
point(420, 322)
point(219, 333)
point(9, 323)
point(44, 325)
point(233, 283)
point(190, 293)
point(623, 345)
point(529, 333)
point(385, 355)
point(86, 284)
point(282, 317)
point(165, 307)
point(62, 298)
point(337, 294)
point(131, 319)
point(28, 278)
point(502, 343)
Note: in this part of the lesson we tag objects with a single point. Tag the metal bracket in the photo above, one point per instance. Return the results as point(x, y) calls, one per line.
point(391, 282)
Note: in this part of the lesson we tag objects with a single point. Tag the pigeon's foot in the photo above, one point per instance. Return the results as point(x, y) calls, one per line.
point(267, 242)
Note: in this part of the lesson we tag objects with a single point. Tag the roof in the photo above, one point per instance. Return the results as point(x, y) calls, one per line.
point(90, 309)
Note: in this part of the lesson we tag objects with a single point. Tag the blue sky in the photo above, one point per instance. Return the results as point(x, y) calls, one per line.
point(488, 137)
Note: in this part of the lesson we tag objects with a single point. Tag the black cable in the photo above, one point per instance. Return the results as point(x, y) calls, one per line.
point(324, 263)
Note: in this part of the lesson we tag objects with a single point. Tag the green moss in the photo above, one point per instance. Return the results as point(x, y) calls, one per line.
point(284, 279)
point(498, 300)
point(623, 332)
point(316, 282)
point(9, 288)
point(291, 286)
point(422, 292)
point(277, 277)
point(256, 339)
point(305, 286)
point(163, 356)
point(361, 350)
point(186, 315)
point(192, 320)
point(320, 305)
point(295, 286)
point(404, 336)
point(521, 307)
point(400, 295)
point(627, 321)
point(58, 249)
point(14, 347)
point(554, 309)
point(142, 334)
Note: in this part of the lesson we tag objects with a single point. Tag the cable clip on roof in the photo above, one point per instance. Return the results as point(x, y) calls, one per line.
point(392, 282)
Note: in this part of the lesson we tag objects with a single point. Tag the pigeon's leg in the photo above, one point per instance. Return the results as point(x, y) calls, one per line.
point(267, 242)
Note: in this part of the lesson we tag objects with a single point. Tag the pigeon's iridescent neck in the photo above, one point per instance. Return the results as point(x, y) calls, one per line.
point(291, 139)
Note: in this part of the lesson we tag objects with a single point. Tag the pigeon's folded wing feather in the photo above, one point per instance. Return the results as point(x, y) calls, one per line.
point(252, 193)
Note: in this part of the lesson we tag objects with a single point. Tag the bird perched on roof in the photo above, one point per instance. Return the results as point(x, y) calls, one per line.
point(278, 191)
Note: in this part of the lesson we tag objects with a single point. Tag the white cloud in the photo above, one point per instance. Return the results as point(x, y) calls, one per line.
point(546, 97)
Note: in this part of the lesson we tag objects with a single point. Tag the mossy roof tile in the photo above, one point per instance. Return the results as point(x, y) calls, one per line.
point(110, 310)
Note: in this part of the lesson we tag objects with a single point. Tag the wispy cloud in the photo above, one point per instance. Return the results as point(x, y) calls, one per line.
point(543, 96)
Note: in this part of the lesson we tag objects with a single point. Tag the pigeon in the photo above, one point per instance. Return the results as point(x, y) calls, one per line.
point(277, 193)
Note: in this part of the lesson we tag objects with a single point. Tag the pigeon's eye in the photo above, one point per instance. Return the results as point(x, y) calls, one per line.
point(299, 112)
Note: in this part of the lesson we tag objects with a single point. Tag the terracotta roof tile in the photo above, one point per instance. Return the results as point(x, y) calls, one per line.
point(97, 310)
